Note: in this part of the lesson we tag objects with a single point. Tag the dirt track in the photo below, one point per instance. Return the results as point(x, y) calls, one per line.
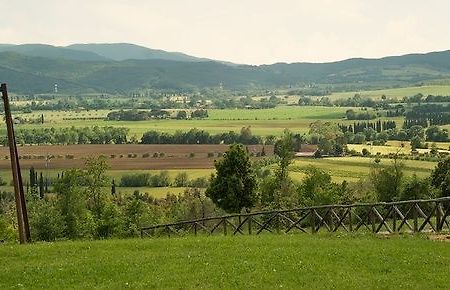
point(120, 156)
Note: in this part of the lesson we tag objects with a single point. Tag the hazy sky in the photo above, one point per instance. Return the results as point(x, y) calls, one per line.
point(242, 31)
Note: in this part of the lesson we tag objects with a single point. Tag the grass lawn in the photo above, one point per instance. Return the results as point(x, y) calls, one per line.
point(246, 262)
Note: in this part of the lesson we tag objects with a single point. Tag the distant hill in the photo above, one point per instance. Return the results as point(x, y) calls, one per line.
point(53, 52)
point(125, 51)
point(29, 70)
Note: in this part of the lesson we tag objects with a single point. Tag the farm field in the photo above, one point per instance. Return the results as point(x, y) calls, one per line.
point(263, 122)
point(250, 262)
point(397, 93)
point(352, 169)
point(123, 157)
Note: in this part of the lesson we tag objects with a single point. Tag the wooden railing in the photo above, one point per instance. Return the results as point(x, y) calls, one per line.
point(412, 216)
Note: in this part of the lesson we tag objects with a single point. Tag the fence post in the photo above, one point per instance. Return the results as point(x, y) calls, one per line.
point(313, 221)
point(416, 222)
point(250, 225)
point(394, 219)
point(350, 225)
point(438, 217)
point(372, 219)
point(224, 226)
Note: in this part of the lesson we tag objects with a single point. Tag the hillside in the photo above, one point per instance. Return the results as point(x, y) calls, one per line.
point(106, 68)
point(53, 52)
point(125, 51)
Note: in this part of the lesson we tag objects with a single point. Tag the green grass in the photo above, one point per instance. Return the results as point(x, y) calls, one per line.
point(353, 168)
point(246, 262)
point(263, 122)
point(397, 93)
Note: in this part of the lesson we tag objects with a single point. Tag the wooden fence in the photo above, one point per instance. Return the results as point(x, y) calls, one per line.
point(412, 216)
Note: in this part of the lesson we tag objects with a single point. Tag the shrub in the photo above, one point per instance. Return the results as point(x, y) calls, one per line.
point(181, 180)
point(7, 232)
point(46, 222)
point(136, 180)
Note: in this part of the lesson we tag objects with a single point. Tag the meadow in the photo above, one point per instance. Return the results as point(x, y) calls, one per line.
point(396, 93)
point(262, 122)
point(297, 261)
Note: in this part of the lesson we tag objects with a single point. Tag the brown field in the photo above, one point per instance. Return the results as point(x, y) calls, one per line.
point(121, 157)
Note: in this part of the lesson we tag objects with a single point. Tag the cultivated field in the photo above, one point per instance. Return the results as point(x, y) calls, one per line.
point(262, 122)
point(397, 93)
point(123, 157)
point(353, 169)
point(246, 262)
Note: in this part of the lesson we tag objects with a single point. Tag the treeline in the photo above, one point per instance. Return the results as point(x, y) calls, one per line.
point(72, 135)
point(420, 98)
point(196, 136)
point(427, 115)
point(378, 126)
point(360, 115)
point(162, 180)
point(136, 115)
point(246, 102)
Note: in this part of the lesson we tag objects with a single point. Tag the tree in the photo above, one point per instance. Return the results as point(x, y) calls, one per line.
point(416, 142)
point(181, 180)
point(416, 188)
point(72, 205)
point(94, 177)
point(113, 187)
point(181, 115)
point(440, 177)
point(387, 181)
point(233, 187)
point(41, 186)
point(317, 188)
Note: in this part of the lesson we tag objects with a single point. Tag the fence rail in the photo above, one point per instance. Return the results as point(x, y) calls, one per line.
point(412, 216)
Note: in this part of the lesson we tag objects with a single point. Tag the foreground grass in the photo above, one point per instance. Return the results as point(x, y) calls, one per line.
point(270, 261)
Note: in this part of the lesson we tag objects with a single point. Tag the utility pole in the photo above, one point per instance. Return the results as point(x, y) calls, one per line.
point(21, 209)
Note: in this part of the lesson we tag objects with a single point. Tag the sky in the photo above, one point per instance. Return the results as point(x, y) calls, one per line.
point(241, 31)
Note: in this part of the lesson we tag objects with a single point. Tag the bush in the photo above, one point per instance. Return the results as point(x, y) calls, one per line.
point(7, 232)
point(160, 180)
point(146, 155)
point(135, 180)
point(46, 222)
point(181, 180)
point(200, 182)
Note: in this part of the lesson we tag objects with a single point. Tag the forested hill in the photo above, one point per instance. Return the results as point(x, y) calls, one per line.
point(135, 68)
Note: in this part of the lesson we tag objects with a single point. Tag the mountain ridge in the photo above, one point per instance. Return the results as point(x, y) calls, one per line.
point(101, 74)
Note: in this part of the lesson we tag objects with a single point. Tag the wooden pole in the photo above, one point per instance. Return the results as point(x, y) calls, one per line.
point(21, 209)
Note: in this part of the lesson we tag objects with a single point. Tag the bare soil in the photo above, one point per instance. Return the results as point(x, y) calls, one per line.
point(122, 157)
